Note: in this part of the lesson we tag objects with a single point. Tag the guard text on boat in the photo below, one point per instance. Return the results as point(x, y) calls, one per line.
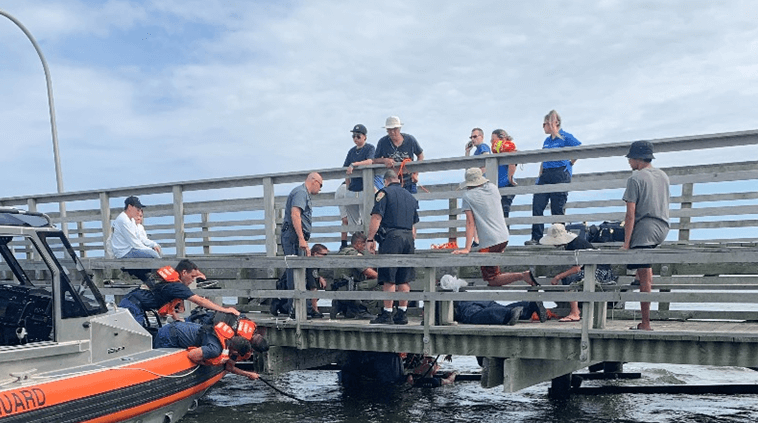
point(21, 400)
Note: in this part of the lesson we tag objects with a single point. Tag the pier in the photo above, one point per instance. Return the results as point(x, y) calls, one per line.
point(230, 227)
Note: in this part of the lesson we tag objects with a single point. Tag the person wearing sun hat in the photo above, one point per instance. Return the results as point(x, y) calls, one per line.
point(558, 236)
point(646, 222)
point(395, 148)
point(484, 215)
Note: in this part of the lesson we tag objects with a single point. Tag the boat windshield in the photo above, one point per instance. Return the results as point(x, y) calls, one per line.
point(80, 295)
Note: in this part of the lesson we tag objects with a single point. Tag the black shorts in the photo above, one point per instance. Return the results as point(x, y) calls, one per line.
point(641, 266)
point(398, 241)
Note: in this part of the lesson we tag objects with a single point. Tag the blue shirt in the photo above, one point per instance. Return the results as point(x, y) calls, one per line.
point(481, 149)
point(567, 141)
point(358, 155)
point(398, 207)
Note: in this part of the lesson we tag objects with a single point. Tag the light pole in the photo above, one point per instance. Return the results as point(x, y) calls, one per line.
point(53, 126)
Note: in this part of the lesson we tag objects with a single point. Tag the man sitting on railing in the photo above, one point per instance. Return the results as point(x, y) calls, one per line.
point(163, 287)
point(126, 241)
point(484, 215)
point(647, 215)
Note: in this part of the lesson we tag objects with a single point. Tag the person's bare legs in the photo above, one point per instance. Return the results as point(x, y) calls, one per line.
point(574, 315)
point(507, 278)
point(645, 277)
point(389, 287)
point(403, 287)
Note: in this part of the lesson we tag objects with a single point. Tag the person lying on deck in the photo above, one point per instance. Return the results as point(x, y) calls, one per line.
point(492, 313)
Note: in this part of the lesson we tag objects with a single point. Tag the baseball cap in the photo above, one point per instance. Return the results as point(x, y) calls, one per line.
point(359, 129)
point(133, 201)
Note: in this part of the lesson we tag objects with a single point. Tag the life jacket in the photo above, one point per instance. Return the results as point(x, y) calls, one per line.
point(177, 304)
point(503, 146)
point(225, 327)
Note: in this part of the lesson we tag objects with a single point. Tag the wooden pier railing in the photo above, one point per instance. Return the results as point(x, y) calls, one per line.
point(716, 202)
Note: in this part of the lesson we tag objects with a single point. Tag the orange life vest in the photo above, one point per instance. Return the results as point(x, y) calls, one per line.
point(224, 332)
point(503, 146)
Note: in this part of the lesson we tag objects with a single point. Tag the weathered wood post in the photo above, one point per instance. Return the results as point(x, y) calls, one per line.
point(269, 216)
point(368, 197)
point(204, 218)
point(179, 221)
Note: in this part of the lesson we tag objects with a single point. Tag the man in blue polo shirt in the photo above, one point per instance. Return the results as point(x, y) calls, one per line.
point(553, 172)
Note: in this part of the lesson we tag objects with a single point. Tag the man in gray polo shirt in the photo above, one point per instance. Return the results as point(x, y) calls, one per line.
point(646, 223)
point(296, 226)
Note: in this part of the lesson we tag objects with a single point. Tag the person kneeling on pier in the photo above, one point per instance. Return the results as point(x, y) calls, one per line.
point(492, 313)
point(224, 343)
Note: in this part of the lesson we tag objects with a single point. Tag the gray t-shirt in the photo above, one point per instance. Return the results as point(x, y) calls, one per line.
point(484, 203)
point(648, 188)
point(300, 198)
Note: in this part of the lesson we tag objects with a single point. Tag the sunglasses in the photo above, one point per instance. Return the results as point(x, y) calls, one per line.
point(357, 135)
point(474, 137)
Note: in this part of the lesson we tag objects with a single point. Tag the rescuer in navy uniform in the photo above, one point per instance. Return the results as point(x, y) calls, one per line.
point(392, 218)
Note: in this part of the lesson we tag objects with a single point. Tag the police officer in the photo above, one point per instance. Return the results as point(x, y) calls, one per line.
point(296, 226)
point(392, 218)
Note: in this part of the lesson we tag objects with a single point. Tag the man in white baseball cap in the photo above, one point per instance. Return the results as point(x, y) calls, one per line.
point(396, 147)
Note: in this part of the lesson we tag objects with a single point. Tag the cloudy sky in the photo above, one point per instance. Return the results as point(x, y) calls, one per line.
point(161, 91)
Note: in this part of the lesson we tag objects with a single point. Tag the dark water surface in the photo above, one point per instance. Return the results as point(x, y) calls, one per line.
point(235, 399)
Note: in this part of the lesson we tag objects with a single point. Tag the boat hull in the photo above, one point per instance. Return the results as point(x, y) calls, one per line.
point(160, 388)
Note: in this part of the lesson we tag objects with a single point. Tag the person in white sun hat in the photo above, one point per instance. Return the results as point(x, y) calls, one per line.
point(395, 148)
point(558, 236)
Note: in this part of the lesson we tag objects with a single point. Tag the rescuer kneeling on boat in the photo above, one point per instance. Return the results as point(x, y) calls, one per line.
point(228, 340)
point(166, 285)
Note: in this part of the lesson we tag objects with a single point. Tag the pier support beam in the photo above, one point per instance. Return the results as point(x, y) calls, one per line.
point(519, 373)
point(285, 359)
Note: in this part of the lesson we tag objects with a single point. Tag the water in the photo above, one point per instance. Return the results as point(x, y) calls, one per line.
point(235, 399)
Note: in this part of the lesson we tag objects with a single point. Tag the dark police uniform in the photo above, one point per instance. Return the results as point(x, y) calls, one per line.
point(399, 211)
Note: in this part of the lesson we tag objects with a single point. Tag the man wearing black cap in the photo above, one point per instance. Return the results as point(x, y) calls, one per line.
point(646, 223)
point(360, 155)
point(126, 241)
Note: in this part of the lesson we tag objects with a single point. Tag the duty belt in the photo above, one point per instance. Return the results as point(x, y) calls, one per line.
point(286, 226)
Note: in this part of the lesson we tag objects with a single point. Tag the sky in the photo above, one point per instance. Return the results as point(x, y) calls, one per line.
point(150, 92)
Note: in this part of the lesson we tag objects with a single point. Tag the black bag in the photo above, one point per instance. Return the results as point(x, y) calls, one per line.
point(279, 305)
point(580, 229)
point(608, 232)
